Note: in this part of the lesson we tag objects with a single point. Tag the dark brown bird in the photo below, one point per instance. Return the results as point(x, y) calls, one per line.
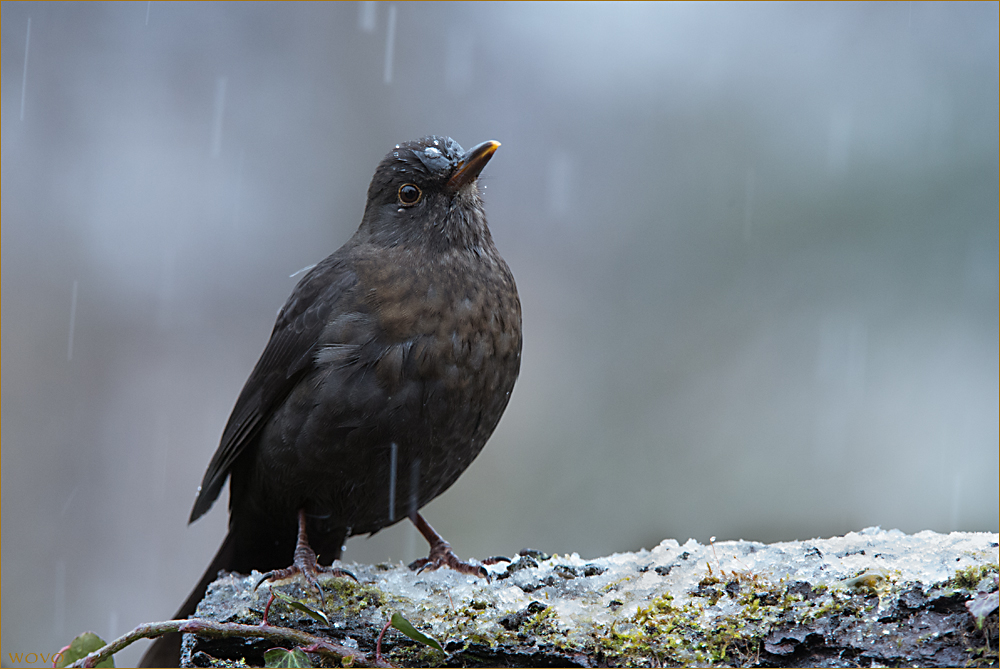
point(387, 370)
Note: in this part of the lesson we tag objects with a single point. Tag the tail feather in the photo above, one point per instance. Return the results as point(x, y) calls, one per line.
point(166, 650)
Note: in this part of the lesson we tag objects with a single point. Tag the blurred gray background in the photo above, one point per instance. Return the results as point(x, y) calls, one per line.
point(756, 247)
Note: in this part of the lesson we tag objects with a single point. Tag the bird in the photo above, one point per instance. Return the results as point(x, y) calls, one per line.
point(386, 372)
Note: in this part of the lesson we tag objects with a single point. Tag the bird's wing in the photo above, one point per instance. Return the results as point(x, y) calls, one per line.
point(288, 355)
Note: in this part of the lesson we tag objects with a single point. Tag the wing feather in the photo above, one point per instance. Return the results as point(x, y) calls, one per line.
point(289, 354)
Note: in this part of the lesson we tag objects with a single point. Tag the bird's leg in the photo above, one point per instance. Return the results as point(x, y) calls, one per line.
point(441, 554)
point(304, 562)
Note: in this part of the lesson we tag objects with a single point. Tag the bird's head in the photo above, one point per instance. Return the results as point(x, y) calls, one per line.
point(425, 192)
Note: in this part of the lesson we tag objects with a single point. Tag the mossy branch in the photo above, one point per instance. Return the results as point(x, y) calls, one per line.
point(207, 628)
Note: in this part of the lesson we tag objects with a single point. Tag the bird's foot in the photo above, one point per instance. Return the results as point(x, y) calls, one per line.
point(441, 555)
point(309, 568)
point(304, 563)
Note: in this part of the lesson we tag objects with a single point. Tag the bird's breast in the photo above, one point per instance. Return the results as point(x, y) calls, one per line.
point(443, 320)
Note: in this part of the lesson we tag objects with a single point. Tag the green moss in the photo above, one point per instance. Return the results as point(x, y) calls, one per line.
point(614, 585)
point(970, 577)
point(983, 657)
point(710, 578)
point(414, 655)
point(541, 622)
point(666, 633)
point(351, 597)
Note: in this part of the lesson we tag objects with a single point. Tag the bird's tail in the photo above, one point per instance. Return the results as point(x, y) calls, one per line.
point(166, 650)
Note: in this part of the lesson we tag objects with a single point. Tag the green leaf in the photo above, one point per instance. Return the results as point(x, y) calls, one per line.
point(279, 657)
point(404, 626)
point(81, 647)
point(308, 610)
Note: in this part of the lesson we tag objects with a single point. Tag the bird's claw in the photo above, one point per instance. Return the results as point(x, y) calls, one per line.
point(310, 572)
point(495, 559)
point(441, 555)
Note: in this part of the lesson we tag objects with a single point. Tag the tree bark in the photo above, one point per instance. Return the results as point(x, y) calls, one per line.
point(868, 598)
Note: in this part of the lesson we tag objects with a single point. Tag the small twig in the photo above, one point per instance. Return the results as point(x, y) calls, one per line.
point(206, 628)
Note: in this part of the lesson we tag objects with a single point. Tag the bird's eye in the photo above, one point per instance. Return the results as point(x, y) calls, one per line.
point(409, 195)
